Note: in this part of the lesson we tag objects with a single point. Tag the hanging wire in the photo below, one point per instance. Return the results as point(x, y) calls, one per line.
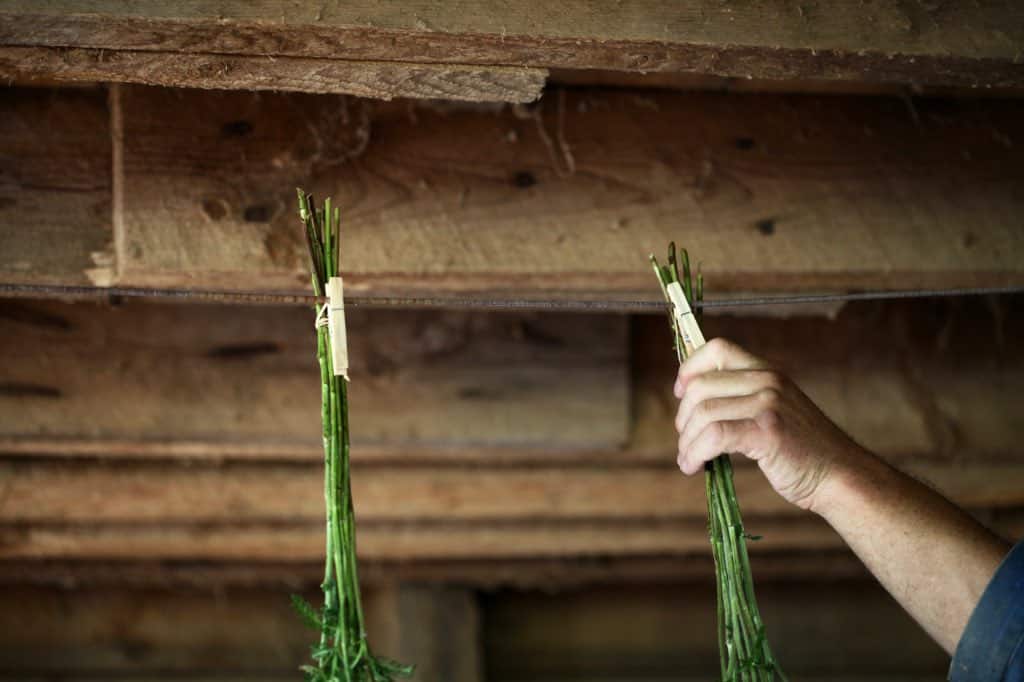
point(13, 290)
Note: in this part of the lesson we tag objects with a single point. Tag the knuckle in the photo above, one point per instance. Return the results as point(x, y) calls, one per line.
point(772, 379)
point(715, 432)
point(770, 422)
point(719, 347)
point(704, 409)
point(696, 386)
point(688, 404)
point(680, 420)
point(769, 398)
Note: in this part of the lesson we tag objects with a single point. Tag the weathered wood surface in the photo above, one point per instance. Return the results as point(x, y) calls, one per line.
point(524, 573)
point(912, 381)
point(826, 629)
point(107, 511)
point(935, 379)
point(436, 627)
point(248, 633)
point(771, 193)
point(822, 629)
point(379, 80)
point(150, 378)
point(418, 542)
point(968, 44)
point(55, 187)
point(402, 542)
point(63, 492)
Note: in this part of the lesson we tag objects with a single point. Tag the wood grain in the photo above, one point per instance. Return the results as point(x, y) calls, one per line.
point(245, 380)
point(909, 380)
point(246, 633)
point(487, 574)
point(939, 384)
point(968, 44)
point(379, 80)
point(66, 492)
point(824, 628)
point(769, 193)
point(415, 542)
point(55, 189)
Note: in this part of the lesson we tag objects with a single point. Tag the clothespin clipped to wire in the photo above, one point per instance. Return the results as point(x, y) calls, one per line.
point(693, 337)
point(336, 326)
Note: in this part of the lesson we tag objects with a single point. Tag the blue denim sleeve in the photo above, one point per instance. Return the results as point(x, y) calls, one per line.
point(992, 646)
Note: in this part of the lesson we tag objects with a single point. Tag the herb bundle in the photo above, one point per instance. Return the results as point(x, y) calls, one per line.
point(342, 653)
point(744, 652)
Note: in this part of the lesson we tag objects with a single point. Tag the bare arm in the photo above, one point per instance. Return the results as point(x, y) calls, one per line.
point(930, 555)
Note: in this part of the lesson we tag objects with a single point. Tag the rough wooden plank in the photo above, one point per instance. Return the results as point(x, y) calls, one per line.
point(380, 80)
point(909, 380)
point(420, 542)
point(770, 193)
point(55, 199)
point(106, 632)
point(524, 573)
point(251, 633)
point(969, 44)
point(437, 627)
point(827, 628)
point(394, 542)
point(247, 377)
point(84, 492)
point(941, 383)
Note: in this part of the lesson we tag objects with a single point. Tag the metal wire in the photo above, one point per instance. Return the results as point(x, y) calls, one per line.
point(567, 305)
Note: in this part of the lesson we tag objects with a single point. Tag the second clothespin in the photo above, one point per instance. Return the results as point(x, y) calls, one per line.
point(693, 337)
point(336, 326)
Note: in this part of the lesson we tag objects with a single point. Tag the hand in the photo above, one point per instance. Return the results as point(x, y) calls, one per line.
point(731, 401)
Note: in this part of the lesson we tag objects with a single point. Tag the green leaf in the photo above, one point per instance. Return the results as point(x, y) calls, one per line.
point(306, 611)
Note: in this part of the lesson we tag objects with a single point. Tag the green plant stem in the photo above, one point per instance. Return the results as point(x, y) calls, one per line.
point(744, 652)
point(343, 653)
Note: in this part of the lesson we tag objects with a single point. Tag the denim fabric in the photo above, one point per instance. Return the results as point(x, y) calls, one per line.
point(992, 646)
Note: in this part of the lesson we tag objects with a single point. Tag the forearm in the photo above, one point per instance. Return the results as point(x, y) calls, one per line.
point(931, 556)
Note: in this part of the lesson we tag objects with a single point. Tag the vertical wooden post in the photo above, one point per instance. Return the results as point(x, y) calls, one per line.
point(435, 627)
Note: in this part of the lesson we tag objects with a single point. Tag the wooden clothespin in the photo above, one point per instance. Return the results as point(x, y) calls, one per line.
point(336, 326)
point(693, 337)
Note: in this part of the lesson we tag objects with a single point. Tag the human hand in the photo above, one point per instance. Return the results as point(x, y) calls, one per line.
point(733, 402)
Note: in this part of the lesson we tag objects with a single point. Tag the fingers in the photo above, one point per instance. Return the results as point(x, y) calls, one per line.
point(738, 435)
point(749, 406)
point(722, 385)
point(715, 355)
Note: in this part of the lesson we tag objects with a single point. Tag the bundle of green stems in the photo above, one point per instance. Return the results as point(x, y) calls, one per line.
point(744, 652)
point(342, 653)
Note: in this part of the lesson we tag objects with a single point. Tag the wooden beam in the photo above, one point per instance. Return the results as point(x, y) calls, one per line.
point(841, 628)
point(436, 627)
point(153, 378)
point(414, 542)
point(265, 512)
point(81, 492)
point(240, 633)
point(908, 380)
point(866, 197)
point(235, 382)
point(55, 187)
point(972, 45)
point(869, 194)
point(489, 574)
point(379, 80)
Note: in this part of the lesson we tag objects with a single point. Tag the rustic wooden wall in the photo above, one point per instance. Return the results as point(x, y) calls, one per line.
point(520, 513)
